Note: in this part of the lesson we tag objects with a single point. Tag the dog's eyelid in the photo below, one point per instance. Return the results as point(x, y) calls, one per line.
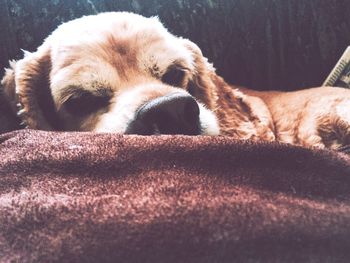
point(85, 102)
point(174, 75)
point(178, 66)
point(103, 92)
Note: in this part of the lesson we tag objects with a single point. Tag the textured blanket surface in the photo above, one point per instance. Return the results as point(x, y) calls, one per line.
point(84, 197)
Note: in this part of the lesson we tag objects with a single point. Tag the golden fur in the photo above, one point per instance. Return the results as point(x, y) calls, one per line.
point(123, 56)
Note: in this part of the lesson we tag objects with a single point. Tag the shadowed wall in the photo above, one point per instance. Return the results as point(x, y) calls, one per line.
point(263, 44)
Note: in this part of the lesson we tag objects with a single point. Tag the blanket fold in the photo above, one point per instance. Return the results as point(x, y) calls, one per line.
point(87, 197)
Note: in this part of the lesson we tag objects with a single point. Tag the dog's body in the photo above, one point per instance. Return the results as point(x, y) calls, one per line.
point(121, 72)
point(313, 117)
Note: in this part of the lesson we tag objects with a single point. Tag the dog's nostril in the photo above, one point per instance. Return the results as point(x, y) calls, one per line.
point(176, 113)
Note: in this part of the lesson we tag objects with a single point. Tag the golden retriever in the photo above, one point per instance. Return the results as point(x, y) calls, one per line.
point(121, 72)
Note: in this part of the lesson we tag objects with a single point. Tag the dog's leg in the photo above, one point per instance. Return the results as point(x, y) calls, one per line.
point(345, 149)
point(327, 131)
point(334, 128)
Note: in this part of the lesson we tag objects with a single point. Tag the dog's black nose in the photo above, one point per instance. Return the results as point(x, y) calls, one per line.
point(175, 113)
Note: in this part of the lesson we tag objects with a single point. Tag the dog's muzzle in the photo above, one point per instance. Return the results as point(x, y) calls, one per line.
point(176, 113)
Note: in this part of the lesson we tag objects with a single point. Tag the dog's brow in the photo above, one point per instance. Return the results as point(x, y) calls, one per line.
point(179, 63)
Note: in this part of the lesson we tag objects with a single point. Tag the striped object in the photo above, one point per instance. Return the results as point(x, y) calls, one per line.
point(340, 75)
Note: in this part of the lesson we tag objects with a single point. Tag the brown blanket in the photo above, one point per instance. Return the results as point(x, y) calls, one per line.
point(84, 197)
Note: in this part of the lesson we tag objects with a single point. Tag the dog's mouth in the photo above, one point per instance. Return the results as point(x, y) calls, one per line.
point(175, 113)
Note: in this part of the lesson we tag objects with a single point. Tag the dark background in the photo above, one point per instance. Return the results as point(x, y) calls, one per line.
point(262, 44)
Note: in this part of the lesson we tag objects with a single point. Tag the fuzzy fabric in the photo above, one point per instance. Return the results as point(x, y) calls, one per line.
point(85, 197)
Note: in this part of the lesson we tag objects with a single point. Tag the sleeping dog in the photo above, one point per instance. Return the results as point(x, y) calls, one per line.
point(121, 72)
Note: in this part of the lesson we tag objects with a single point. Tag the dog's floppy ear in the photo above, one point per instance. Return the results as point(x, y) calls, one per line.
point(240, 115)
point(26, 86)
point(202, 85)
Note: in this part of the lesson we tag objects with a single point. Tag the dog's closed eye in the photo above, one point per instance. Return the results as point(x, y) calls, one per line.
point(174, 76)
point(84, 103)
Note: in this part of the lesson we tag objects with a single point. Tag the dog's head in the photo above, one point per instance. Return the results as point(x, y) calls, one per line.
point(115, 72)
